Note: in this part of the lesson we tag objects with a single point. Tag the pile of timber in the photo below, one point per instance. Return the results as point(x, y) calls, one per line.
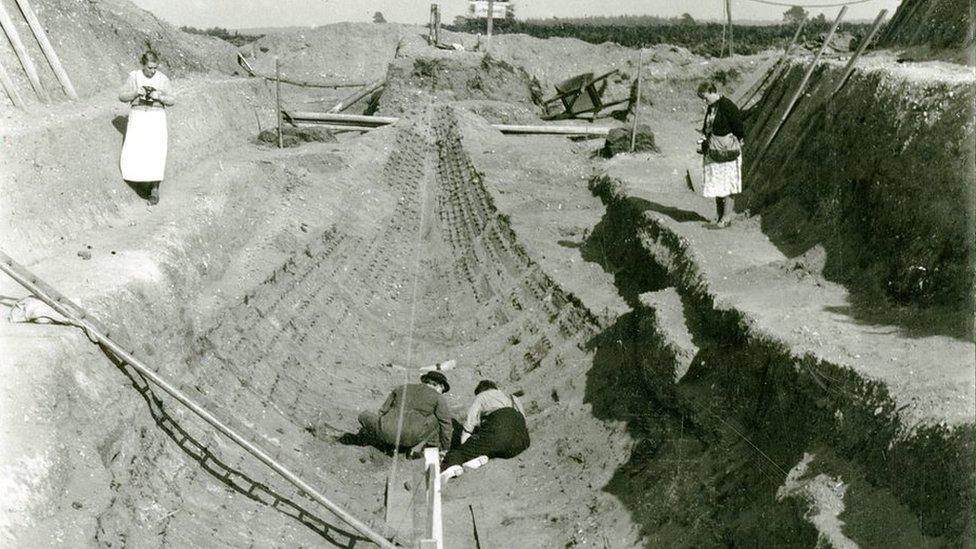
point(363, 123)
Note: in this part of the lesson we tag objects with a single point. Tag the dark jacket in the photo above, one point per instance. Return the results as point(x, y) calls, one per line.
point(728, 118)
point(425, 412)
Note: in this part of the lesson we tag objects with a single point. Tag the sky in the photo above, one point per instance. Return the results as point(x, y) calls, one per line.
point(237, 14)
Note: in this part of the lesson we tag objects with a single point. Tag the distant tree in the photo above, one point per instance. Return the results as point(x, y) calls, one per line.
point(820, 20)
point(794, 14)
point(378, 17)
point(687, 19)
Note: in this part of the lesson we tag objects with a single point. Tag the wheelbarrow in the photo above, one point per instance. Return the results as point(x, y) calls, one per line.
point(579, 95)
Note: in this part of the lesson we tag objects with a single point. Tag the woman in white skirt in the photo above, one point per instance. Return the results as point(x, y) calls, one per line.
point(721, 150)
point(148, 93)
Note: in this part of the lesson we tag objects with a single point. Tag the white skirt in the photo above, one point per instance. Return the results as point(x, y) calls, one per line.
point(144, 150)
point(721, 178)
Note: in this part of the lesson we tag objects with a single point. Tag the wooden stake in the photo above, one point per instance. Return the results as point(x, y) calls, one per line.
point(491, 18)
point(799, 90)
point(751, 92)
point(633, 130)
point(21, 51)
point(430, 25)
point(474, 526)
point(8, 85)
point(860, 49)
point(437, 24)
point(728, 12)
point(278, 100)
point(47, 48)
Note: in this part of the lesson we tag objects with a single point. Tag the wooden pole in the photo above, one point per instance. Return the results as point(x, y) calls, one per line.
point(728, 13)
point(799, 90)
point(437, 24)
point(8, 85)
point(430, 25)
point(801, 139)
point(857, 53)
point(348, 121)
point(633, 130)
point(278, 100)
point(8, 27)
point(352, 99)
point(47, 48)
point(752, 91)
point(490, 23)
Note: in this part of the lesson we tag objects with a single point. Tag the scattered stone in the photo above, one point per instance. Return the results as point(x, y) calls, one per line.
point(84, 254)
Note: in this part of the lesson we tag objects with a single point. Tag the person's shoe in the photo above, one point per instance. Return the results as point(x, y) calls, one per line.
point(451, 472)
point(475, 463)
point(154, 195)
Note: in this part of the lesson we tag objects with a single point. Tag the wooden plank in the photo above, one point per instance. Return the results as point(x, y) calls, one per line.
point(47, 48)
point(337, 117)
point(437, 24)
point(799, 91)
point(8, 86)
point(8, 27)
point(369, 122)
point(435, 525)
point(633, 130)
point(353, 98)
point(278, 99)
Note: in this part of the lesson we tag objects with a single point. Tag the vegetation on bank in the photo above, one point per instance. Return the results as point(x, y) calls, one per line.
point(234, 37)
point(640, 31)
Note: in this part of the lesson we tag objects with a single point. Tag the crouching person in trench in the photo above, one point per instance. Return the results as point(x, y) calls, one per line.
point(495, 428)
point(426, 416)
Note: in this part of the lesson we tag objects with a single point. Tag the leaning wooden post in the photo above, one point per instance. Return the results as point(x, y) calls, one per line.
point(857, 53)
point(430, 25)
point(633, 130)
point(21, 51)
point(752, 91)
point(489, 24)
point(278, 99)
point(47, 48)
point(8, 86)
point(799, 90)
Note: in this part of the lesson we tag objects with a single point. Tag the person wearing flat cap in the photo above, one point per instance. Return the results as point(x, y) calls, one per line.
point(426, 415)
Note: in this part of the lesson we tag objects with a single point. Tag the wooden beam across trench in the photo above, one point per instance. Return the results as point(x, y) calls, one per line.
point(357, 122)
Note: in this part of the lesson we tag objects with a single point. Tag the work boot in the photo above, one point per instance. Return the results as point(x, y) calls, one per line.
point(154, 194)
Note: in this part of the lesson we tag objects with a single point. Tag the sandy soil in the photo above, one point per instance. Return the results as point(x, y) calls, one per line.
point(274, 286)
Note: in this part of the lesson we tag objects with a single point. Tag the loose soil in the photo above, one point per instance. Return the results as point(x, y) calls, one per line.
point(274, 285)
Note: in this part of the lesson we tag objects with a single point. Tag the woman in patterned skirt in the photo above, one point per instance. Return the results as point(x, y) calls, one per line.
point(723, 137)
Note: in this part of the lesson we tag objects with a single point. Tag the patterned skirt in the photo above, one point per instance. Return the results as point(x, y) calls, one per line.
point(721, 178)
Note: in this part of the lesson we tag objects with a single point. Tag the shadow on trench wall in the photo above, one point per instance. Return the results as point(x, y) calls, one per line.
point(230, 477)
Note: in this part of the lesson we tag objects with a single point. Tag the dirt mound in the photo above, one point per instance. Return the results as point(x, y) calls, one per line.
point(619, 139)
point(343, 52)
point(455, 76)
point(293, 137)
point(100, 41)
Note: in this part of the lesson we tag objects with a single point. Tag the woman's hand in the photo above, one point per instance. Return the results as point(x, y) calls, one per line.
point(156, 95)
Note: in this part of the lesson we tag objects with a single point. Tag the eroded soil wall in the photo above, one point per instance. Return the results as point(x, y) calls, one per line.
point(881, 177)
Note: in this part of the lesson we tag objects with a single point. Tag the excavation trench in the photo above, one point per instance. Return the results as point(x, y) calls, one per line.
point(416, 264)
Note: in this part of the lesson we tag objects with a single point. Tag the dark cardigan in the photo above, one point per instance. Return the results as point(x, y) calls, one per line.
point(728, 119)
